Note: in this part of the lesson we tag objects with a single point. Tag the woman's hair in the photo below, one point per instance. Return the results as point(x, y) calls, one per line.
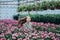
point(22, 21)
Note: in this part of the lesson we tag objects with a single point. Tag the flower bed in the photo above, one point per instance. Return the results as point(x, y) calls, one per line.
point(41, 31)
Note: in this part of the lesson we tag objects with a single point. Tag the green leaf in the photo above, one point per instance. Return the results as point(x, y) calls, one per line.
point(8, 36)
point(47, 39)
point(16, 31)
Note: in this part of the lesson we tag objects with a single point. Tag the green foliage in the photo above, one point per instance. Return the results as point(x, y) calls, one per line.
point(58, 4)
point(47, 39)
point(58, 28)
point(53, 18)
point(37, 39)
point(22, 7)
point(0, 32)
point(15, 31)
point(22, 36)
point(15, 17)
point(8, 36)
point(39, 28)
point(39, 6)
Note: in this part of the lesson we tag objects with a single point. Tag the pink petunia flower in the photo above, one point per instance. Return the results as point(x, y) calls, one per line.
point(1, 23)
point(20, 39)
point(38, 24)
point(9, 32)
point(34, 35)
point(55, 39)
point(7, 21)
point(46, 25)
point(15, 22)
point(19, 33)
point(41, 23)
point(58, 34)
point(42, 32)
point(26, 39)
point(3, 39)
point(2, 34)
point(34, 23)
point(15, 35)
point(42, 37)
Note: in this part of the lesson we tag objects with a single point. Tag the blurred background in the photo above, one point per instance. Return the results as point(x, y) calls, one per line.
point(8, 8)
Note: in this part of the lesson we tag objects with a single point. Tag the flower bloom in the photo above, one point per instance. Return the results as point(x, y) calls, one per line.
point(55, 39)
point(41, 23)
point(20, 39)
point(38, 24)
point(15, 35)
point(3, 39)
point(34, 23)
point(2, 34)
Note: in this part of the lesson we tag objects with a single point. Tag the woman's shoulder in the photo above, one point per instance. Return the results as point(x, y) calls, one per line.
point(31, 23)
point(26, 23)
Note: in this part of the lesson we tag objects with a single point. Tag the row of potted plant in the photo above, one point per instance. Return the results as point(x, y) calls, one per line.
point(53, 18)
point(37, 6)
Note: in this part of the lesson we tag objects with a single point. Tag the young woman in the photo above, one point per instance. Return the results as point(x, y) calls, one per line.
point(24, 24)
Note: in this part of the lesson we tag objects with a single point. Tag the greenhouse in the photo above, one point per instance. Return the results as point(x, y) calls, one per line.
point(29, 19)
